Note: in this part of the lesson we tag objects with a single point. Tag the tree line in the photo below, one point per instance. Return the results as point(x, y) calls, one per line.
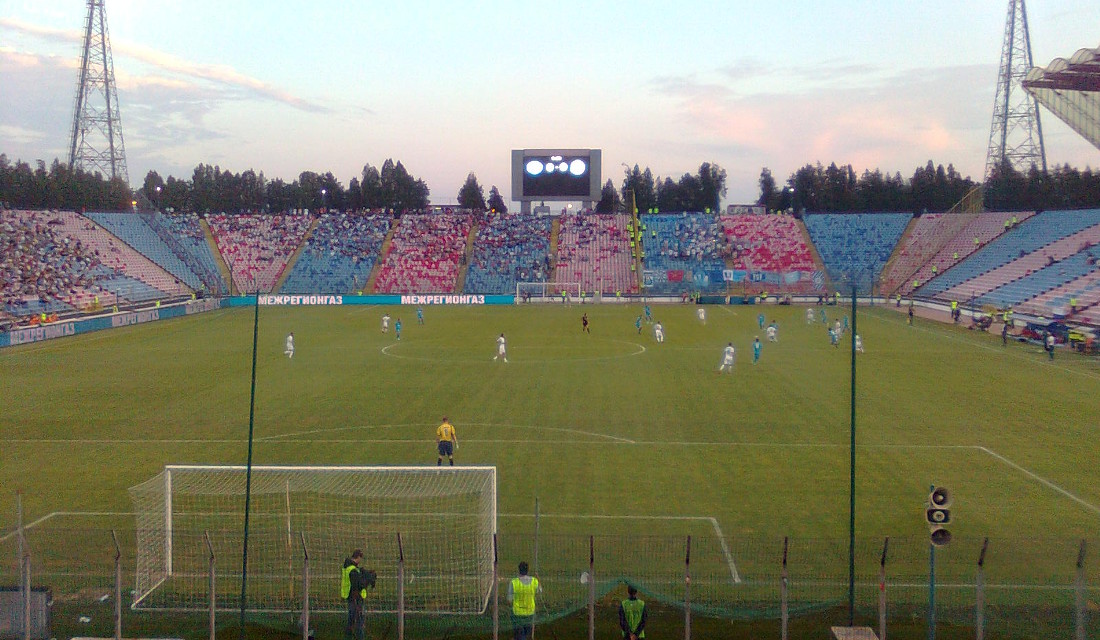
point(813, 187)
point(931, 188)
point(59, 187)
point(211, 189)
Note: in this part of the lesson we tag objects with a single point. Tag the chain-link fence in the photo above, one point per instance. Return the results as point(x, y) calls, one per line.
point(992, 587)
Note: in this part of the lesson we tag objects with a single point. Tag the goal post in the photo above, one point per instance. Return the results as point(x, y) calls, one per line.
point(446, 517)
point(548, 291)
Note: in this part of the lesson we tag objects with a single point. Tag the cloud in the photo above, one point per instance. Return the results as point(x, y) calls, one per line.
point(899, 120)
point(223, 75)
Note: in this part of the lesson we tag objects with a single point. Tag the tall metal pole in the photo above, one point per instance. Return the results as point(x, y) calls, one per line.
point(212, 585)
point(400, 589)
point(305, 587)
point(687, 590)
point(118, 586)
point(248, 468)
point(979, 595)
point(784, 614)
point(1080, 596)
point(931, 584)
point(882, 590)
point(852, 481)
point(496, 590)
point(931, 591)
point(591, 588)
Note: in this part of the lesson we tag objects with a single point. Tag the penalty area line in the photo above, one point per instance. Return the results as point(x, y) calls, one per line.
point(712, 520)
point(1040, 479)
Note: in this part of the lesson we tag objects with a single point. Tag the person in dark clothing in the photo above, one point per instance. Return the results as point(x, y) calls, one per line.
point(632, 615)
point(1004, 334)
point(353, 588)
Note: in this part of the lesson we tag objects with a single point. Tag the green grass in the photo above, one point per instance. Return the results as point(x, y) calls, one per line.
point(595, 426)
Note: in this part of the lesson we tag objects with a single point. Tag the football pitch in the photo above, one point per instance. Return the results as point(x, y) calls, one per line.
point(615, 435)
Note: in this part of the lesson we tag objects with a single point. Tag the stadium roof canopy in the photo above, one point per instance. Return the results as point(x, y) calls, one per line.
point(1070, 89)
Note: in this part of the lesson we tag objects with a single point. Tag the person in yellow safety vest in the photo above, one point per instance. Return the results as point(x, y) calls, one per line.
point(935, 270)
point(1008, 223)
point(977, 242)
point(632, 615)
point(521, 595)
point(1073, 305)
point(898, 305)
point(353, 589)
point(1015, 221)
point(955, 310)
point(955, 257)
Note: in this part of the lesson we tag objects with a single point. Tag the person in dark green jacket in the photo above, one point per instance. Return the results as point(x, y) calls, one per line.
point(632, 615)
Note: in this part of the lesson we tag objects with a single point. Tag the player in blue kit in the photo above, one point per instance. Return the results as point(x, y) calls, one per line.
point(757, 346)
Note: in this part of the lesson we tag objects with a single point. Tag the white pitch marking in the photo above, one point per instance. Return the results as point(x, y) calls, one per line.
point(713, 522)
point(64, 513)
point(1042, 480)
point(726, 550)
point(640, 350)
point(422, 424)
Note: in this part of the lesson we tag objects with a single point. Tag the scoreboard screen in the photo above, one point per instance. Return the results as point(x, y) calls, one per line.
point(556, 174)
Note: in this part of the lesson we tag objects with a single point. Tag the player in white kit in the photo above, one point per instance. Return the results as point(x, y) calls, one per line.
point(859, 343)
point(702, 313)
point(728, 356)
point(809, 315)
point(385, 323)
point(502, 350)
point(659, 331)
point(289, 350)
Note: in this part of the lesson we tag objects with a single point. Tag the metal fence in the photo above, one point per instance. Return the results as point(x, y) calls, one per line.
point(992, 587)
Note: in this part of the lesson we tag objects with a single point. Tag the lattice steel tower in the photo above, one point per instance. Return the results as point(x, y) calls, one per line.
point(96, 143)
point(1016, 135)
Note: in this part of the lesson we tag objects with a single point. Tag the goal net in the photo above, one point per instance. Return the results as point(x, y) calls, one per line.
point(548, 291)
point(446, 518)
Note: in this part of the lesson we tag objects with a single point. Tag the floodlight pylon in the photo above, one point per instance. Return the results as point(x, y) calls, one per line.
point(1016, 134)
point(96, 143)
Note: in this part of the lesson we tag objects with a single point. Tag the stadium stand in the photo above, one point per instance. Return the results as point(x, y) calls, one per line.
point(339, 255)
point(1039, 281)
point(926, 236)
point(1025, 267)
point(509, 249)
point(683, 252)
point(134, 230)
point(594, 250)
point(42, 271)
point(855, 245)
point(129, 274)
point(985, 227)
point(183, 233)
point(1084, 290)
point(981, 272)
point(775, 246)
point(425, 254)
point(256, 247)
